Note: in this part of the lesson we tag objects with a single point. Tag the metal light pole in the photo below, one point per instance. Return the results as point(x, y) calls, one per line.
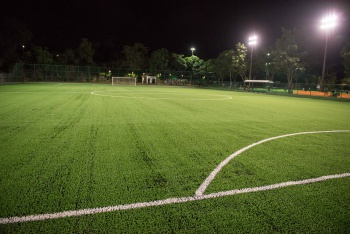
point(267, 66)
point(327, 24)
point(252, 41)
point(192, 49)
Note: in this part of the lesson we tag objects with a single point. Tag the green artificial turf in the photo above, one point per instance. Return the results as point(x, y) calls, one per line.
point(78, 146)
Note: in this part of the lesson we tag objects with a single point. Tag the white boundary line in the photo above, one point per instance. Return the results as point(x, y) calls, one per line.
point(139, 205)
point(198, 195)
point(41, 92)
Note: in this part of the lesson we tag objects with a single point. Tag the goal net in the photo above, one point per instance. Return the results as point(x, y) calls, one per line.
point(124, 81)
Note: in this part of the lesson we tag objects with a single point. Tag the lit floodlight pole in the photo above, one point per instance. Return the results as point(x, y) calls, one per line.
point(267, 66)
point(327, 24)
point(252, 41)
point(192, 49)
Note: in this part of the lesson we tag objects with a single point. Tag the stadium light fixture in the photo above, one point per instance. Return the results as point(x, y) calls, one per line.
point(252, 41)
point(267, 66)
point(192, 49)
point(327, 24)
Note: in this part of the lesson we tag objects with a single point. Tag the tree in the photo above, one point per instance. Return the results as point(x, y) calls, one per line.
point(177, 62)
point(85, 52)
point(239, 60)
point(195, 65)
point(68, 57)
point(263, 68)
point(159, 59)
point(43, 55)
point(311, 54)
point(224, 65)
point(13, 36)
point(286, 56)
point(135, 56)
point(211, 74)
point(345, 54)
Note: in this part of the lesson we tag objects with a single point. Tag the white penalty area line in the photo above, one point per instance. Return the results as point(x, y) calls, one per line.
point(139, 205)
point(199, 194)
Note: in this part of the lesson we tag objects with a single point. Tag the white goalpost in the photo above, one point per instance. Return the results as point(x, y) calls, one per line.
point(124, 81)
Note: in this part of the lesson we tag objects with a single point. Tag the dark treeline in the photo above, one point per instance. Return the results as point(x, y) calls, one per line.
point(295, 57)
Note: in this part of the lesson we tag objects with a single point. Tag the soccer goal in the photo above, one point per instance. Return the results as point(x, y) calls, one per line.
point(124, 81)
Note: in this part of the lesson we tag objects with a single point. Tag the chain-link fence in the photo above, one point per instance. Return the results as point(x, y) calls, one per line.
point(69, 73)
point(310, 89)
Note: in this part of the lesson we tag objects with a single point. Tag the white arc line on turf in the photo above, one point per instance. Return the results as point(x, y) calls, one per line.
point(200, 191)
point(198, 195)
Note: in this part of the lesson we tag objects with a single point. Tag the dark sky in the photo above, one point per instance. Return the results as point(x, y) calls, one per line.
point(211, 26)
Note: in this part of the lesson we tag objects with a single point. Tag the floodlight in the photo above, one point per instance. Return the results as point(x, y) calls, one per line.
point(328, 22)
point(253, 40)
point(193, 49)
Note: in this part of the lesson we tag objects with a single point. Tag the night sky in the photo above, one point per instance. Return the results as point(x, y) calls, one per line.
point(209, 26)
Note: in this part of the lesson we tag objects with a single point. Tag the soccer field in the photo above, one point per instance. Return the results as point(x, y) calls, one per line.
point(156, 159)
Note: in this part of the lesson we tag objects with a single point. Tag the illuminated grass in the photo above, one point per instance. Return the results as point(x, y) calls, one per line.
point(63, 148)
